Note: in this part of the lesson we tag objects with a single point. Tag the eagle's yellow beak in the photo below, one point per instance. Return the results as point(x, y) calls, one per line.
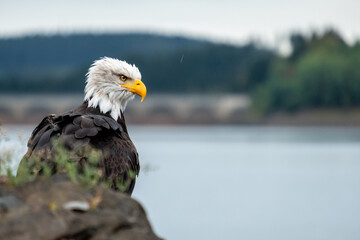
point(137, 87)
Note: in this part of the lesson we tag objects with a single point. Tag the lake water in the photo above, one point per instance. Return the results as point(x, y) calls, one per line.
point(273, 183)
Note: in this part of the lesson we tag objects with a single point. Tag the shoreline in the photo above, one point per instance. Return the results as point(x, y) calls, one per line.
point(175, 109)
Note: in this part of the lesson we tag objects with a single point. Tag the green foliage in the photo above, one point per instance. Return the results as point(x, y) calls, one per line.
point(85, 173)
point(323, 73)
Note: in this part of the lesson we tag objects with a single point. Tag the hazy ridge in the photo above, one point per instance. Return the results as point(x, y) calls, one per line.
point(168, 64)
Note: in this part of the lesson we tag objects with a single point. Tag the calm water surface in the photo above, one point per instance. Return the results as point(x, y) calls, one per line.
point(245, 182)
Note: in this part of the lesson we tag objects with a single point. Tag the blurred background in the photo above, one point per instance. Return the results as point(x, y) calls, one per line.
point(250, 129)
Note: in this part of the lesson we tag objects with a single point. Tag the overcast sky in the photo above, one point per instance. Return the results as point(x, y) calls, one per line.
point(220, 20)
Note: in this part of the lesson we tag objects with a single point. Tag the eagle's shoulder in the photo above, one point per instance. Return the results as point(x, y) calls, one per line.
point(72, 128)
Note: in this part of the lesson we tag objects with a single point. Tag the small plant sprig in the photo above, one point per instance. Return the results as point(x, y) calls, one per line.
point(81, 167)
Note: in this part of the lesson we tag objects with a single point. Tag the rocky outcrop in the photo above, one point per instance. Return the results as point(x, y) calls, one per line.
point(58, 209)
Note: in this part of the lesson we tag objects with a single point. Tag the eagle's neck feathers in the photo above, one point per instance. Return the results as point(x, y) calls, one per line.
point(113, 102)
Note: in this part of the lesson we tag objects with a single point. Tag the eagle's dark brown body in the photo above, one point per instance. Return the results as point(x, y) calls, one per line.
point(84, 128)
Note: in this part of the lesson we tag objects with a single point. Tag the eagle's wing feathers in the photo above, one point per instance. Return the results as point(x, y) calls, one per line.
point(78, 133)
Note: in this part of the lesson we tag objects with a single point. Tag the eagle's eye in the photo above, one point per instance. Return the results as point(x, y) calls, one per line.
point(123, 78)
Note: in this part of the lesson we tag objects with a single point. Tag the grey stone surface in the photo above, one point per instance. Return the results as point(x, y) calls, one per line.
point(36, 210)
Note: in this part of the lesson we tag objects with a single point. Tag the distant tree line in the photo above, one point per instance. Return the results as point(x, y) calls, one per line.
point(168, 64)
point(321, 71)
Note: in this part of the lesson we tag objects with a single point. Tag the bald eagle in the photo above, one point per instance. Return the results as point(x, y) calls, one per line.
point(97, 123)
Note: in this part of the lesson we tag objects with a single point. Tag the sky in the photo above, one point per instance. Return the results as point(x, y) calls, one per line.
point(266, 21)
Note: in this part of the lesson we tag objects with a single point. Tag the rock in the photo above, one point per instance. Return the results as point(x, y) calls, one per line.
point(9, 202)
point(58, 209)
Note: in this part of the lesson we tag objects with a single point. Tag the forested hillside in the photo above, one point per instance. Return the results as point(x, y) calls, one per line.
point(323, 71)
point(168, 64)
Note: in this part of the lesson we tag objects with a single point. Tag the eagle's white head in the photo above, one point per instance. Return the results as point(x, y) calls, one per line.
point(111, 83)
